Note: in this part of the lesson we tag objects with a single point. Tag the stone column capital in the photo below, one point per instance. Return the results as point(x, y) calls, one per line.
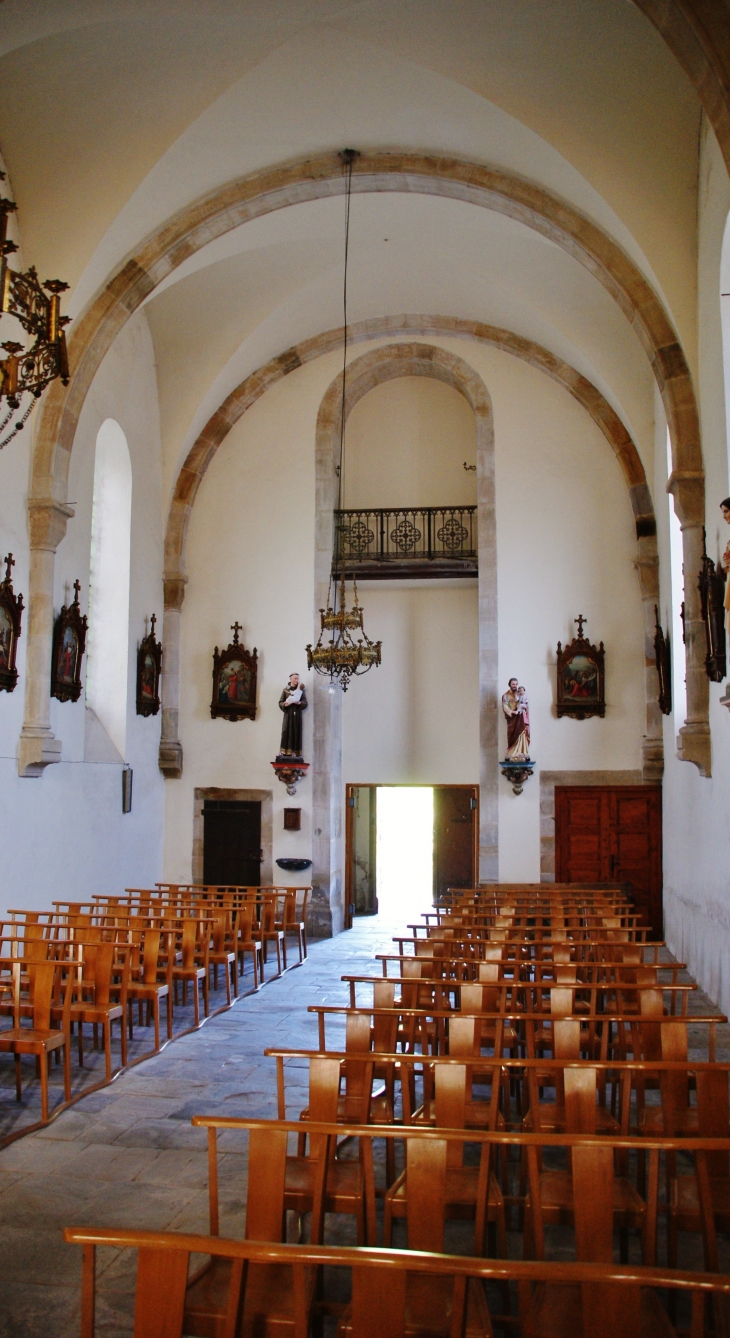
point(47, 522)
point(174, 590)
point(687, 487)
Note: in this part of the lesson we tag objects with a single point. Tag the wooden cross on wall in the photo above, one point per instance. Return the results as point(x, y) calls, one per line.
point(9, 563)
point(236, 628)
point(580, 620)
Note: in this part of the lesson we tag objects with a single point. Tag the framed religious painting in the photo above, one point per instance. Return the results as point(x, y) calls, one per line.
point(11, 610)
point(234, 681)
point(69, 644)
point(581, 677)
point(149, 669)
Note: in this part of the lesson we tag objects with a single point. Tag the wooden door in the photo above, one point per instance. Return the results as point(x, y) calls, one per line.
point(455, 837)
point(612, 834)
point(232, 842)
point(360, 851)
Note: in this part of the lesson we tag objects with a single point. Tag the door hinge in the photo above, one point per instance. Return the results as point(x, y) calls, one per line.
point(472, 803)
point(351, 801)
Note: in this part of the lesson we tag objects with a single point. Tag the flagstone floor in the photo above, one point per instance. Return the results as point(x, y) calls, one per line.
point(128, 1156)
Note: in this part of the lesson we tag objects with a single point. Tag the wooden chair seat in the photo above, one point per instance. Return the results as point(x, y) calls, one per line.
point(270, 1306)
point(556, 1195)
point(460, 1202)
point(557, 1311)
point(428, 1310)
point(345, 1191)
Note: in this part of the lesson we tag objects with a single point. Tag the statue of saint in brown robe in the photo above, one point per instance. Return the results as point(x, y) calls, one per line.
point(292, 702)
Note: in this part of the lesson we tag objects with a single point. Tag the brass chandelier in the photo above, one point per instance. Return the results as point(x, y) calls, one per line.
point(341, 657)
point(37, 307)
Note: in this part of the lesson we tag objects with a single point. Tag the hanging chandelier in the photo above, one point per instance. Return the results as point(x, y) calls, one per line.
point(341, 657)
point(37, 308)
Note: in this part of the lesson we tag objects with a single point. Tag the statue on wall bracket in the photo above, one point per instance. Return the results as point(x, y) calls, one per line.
point(581, 677)
point(663, 658)
point(69, 644)
point(11, 610)
point(712, 605)
point(290, 766)
point(234, 680)
point(149, 668)
point(517, 766)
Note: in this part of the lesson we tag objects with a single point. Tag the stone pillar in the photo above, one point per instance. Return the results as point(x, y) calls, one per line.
point(647, 566)
point(170, 757)
point(488, 652)
point(326, 909)
point(693, 741)
point(37, 746)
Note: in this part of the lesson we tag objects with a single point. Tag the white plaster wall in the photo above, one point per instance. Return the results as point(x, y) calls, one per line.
point(64, 834)
point(566, 544)
point(250, 558)
point(407, 441)
point(415, 719)
point(697, 809)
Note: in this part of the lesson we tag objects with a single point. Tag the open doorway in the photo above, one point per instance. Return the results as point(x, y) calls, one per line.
point(406, 844)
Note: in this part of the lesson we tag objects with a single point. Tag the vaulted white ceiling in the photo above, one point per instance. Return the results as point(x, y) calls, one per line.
point(114, 114)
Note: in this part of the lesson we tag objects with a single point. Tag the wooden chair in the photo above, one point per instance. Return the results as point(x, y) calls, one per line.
point(192, 967)
point(147, 988)
point(553, 1194)
point(40, 1039)
point(269, 933)
point(293, 917)
point(466, 1187)
point(94, 993)
point(274, 1304)
point(247, 943)
point(701, 1202)
point(222, 953)
point(610, 1300)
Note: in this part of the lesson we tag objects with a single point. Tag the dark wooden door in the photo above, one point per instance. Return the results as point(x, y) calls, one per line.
point(612, 834)
point(232, 842)
point(455, 837)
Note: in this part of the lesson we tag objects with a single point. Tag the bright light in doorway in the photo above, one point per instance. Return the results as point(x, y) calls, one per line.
point(404, 849)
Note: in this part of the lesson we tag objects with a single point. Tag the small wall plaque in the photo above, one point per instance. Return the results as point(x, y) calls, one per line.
point(292, 819)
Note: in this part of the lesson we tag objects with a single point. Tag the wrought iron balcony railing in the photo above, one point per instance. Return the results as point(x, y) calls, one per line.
point(407, 541)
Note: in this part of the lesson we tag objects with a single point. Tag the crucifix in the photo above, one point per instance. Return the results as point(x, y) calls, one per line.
point(236, 628)
point(580, 620)
point(153, 620)
point(77, 591)
point(9, 562)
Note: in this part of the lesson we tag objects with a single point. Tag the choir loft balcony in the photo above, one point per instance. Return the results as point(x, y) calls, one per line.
point(400, 542)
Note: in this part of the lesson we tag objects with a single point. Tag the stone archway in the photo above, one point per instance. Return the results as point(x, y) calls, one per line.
point(372, 369)
point(308, 179)
point(253, 387)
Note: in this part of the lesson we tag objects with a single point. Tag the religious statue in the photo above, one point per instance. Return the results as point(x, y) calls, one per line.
point(517, 715)
point(292, 702)
point(725, 508)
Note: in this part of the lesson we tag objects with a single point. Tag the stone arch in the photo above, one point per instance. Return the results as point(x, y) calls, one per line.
point(312, 178)
point(254, 386)
point(366, 372)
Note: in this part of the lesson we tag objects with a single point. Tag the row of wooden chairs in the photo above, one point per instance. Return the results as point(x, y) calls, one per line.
point(448, 1068)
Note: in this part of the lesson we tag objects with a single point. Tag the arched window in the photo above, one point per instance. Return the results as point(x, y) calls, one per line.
point(111, 519)
point(676, 576)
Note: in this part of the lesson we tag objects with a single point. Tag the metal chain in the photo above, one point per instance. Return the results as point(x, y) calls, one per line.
point(18, 426)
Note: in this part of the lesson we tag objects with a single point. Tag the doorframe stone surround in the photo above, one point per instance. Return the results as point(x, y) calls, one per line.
point(310, 178)
point(264, 797)
point(389, 363)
